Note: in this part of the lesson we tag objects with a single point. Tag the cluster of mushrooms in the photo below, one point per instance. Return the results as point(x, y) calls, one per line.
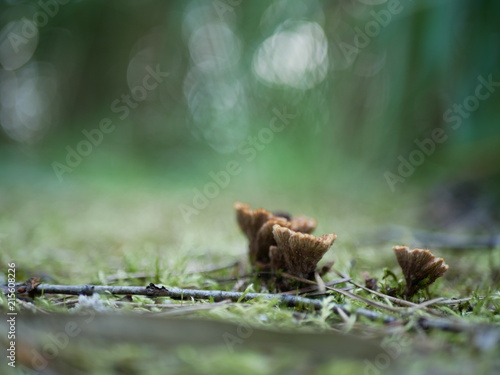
point(284, 246)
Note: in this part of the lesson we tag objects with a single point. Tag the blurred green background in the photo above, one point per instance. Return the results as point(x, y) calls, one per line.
point(129, 127)
point(315, 105)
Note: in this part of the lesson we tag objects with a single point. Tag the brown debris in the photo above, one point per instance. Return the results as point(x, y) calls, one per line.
point(258, 224)
point(371, 284)
point(420, 268)
point(28, 288)
point(298, 253)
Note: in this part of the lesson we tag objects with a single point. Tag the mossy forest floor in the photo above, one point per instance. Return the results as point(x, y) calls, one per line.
point(89, 234)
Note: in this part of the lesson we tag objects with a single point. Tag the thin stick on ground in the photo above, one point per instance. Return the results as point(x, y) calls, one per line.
point(216, 295)
point(153, 291)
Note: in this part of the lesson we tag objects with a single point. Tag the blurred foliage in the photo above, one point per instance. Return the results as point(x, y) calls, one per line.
point(361, 81)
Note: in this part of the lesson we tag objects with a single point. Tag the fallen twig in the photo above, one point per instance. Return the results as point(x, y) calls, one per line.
point(424, 304)
point(216, 295)
point(461, 300)
point(152, 291)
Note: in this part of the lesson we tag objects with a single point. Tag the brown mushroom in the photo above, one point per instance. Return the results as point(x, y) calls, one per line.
point(420, 268)
point(259, 235)
point(303, 224)
point(259, 247)
point(298, 253)
point(250, 220)
point(258, 225)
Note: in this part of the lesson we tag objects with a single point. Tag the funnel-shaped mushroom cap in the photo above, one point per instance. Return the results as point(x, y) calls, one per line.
point(259, 247)
point(302, 224)
point(420, 267)
point(298, 253)
point(250, 221)
point(258, 227)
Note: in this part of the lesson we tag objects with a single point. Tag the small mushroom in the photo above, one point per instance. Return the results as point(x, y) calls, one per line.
point(260, 237)
point(303, 224)
point(258, 228)
point(259, 247)
point(250, 220)
point(298, 253)
point(420, 268)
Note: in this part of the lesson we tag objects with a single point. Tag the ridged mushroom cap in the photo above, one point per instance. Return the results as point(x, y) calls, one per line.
point(303, 224)
point(250, 221)
point(258, 228)
point(298, 253)
point(420, 267)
